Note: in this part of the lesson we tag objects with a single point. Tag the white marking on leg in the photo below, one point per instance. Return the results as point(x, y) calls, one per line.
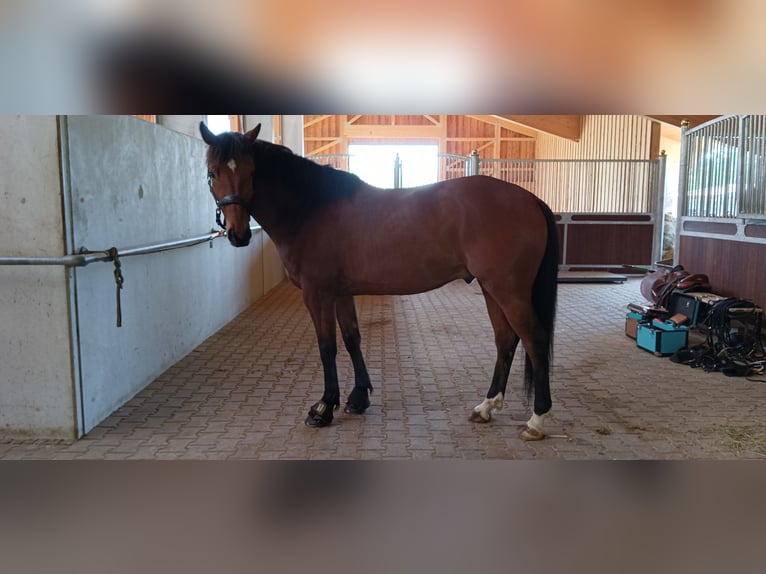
point(536, 422)
point(485, 408)
point(232, 164)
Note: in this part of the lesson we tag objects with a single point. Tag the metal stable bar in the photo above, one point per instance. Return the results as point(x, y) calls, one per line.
point(87, 257)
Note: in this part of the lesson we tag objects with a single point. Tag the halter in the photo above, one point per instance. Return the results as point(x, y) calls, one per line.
point(220, 219)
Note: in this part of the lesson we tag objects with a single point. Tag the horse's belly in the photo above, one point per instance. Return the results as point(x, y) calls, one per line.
point(406, 278)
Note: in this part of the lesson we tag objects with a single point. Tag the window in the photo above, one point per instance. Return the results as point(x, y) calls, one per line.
point(220, 123)
point(374, 163)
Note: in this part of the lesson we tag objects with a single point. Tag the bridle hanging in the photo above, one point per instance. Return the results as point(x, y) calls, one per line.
point(220, 219)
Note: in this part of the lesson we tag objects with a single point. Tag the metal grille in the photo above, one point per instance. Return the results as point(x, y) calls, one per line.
point(452, 166)
point(336, 160)
point(567, 186)
point(711, 157)
point(753, 192)
point(583, 186)
point(586, 186)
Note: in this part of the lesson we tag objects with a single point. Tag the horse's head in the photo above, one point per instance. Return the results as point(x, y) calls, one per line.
point(230, 177)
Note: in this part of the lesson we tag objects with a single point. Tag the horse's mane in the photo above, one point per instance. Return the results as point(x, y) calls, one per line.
point(306, 184)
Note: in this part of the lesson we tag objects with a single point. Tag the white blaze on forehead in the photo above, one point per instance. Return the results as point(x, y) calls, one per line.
point(232, 164)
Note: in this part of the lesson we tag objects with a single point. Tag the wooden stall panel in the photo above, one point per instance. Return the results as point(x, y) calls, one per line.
point(735, 268)
point(609, 244)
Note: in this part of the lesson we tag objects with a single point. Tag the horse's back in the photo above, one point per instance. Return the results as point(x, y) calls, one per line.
point(495, 209)
point(412, 240)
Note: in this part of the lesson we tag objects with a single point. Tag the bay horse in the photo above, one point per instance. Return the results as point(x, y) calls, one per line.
point(339, 237)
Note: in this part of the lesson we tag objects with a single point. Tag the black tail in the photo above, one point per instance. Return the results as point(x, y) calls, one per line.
point(544, 293)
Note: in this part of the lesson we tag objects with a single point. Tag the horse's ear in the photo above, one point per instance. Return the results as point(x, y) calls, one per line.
point(252, 135)
point(207, 136)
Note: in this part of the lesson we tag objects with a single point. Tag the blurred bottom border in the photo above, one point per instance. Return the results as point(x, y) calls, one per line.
point(323, 516)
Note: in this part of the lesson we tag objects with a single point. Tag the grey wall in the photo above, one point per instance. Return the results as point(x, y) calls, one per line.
point(36, 386)
point(188, 124)
point(135, 183)
point(292, 133)
point(96, 182)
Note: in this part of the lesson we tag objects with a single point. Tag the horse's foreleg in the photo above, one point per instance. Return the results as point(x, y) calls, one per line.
point(506, 342)
point(321, 306)
point(359, 399)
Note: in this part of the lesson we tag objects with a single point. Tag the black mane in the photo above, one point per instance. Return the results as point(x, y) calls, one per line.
point(304, 184)
point(309, 183)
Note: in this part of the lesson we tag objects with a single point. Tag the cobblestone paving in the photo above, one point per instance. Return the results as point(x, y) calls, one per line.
point(243, 393)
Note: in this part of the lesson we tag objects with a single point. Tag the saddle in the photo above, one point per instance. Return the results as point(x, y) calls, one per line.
point(658, 285)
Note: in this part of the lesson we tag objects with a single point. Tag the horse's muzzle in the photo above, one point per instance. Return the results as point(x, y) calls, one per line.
point(239, 240)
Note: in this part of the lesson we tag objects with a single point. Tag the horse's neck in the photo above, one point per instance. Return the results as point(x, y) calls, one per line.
point(276, 218)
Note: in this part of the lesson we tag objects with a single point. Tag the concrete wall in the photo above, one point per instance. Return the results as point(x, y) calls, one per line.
point(292, 133)
point(95, 182)
point(188, 124)
point(134, 183)
point(36, 381)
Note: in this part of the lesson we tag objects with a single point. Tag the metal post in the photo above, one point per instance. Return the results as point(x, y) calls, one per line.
point(682, 188)
point(739, 181)
point(659, 206)
point(473, 163)
point(397, 172)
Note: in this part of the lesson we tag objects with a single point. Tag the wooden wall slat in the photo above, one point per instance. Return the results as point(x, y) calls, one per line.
point(735, 268)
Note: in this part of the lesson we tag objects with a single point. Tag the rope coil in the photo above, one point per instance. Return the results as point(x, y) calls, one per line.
point(118, 280)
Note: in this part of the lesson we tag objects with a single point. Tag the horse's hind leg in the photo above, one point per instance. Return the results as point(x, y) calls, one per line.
point(536, 343)
point(359, 398)
point(512, 294)
point(506, 342)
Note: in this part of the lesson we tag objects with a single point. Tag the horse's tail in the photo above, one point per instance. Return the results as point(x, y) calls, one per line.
point(544, 292)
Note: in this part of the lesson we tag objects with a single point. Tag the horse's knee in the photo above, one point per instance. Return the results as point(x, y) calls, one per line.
point(328, 350)
point(352, 340)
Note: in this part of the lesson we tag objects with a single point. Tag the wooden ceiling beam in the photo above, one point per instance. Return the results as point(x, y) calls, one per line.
point(324, 147)
point(485, 146)
point(315, 121)
point(676, 120)
point(564, 126)
point(486, 138)
point(393, 131)
point(503, 122)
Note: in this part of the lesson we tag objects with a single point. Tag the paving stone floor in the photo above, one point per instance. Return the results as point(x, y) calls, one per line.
point(244, 393)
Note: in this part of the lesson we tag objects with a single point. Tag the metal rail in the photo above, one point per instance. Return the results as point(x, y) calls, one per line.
point(86, 257)
point(113, 255)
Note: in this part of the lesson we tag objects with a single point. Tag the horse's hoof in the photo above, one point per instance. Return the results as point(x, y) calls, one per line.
point(530, 434)
point(357, 403)
point(476, 417)
point(354, 410)
point(316, 422)
point(319, 416)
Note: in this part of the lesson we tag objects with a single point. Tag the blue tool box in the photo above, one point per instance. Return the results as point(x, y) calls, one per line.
point(661, 337)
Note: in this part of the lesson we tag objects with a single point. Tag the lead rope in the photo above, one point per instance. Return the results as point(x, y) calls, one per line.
point(118, 279)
